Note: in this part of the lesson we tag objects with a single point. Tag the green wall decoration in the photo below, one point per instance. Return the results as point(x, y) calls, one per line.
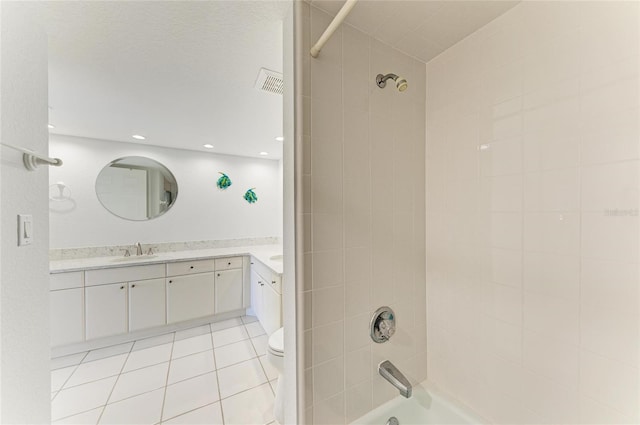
point(250, 196)
point(223, 182)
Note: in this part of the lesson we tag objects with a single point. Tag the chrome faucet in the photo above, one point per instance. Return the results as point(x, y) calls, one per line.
point(138, 248)
point(391, 373)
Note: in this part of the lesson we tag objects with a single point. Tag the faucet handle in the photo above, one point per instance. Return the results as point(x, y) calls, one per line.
point(127, 253)
point(387, 328)
point(150, 251)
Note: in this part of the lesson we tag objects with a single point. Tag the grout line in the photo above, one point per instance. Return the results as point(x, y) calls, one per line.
point(115, 383)
point(166, 383)
point(215, 365)
point(192, 410)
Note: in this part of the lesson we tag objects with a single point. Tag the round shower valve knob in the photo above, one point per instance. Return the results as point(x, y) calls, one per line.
point(383, 324)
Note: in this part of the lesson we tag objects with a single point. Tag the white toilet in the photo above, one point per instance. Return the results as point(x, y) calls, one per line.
point(275, 354)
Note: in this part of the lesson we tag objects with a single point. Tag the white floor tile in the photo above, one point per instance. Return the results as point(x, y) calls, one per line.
point(140, 381)
point(153, 341)
point(234, 353)
point(240, 377)
point(148, 357)
point(260, 343)
point(229, 336)
point(60, 376)
point(272, 372)
point(226, 324)
point(210, 414)
point(66, 361)
point(254, 329)
point(249, 319)
point(192, 345)
point(261, 412)
point(111, 351)
point(191, 332)
point(190, 366)
point(142, 409)
point(81, 398)
point(189, 395)
point(95, 370)
point(86, 418)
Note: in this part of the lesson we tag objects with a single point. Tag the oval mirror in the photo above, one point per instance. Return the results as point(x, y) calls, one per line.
point(136, 188)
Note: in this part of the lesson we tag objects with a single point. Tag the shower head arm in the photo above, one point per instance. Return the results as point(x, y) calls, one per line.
point(381, 80)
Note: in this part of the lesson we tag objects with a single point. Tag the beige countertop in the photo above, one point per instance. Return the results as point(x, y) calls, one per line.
point(269, 255)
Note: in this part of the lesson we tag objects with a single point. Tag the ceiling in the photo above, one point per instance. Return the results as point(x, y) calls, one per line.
point(181, 73)
point(422, 29)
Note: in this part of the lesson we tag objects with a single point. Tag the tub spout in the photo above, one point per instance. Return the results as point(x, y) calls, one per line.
point(391, 373)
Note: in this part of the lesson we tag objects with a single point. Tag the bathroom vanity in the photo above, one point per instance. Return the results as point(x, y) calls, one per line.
point(114, 299)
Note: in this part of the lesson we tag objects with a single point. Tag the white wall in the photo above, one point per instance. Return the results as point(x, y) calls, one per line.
point(201, 211)
point(363, 199)
point(25, 389)
point(532, 215)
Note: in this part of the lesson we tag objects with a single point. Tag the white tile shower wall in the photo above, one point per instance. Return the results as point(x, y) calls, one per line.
point(364, 214)
point(532, 215)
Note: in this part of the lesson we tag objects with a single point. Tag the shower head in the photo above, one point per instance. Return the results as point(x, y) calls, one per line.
point(401, 83)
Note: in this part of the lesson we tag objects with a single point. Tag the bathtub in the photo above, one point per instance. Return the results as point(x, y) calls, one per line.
point(426, 406)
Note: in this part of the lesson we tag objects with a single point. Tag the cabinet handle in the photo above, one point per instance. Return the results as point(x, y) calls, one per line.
point(133, 286)
point(229, 263)
point(171, 281)
point(191, 267)
point(273, 282)
point(122, 287)
point(218, 274)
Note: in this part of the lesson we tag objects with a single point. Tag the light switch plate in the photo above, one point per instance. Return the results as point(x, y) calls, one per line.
point(25, 229)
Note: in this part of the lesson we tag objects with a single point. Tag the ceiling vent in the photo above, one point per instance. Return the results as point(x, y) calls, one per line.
point(269, 81)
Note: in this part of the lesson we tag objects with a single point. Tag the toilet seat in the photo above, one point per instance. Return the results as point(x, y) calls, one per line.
point(276, 343)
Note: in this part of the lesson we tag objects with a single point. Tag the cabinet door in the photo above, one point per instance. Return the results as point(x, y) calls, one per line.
point(228, 290)
point(106, 309)
point(147, 306)
point(256, 294)
point(272, 310)
point(67, 316)
point(190, 296)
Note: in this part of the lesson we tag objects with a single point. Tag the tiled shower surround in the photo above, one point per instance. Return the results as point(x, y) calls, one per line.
point(532, 177)
point(532, 215)
point(364, 217)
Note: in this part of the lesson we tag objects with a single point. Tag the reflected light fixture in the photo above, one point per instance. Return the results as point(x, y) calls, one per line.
point(264, 153)
point(208, 146)
point(138, 137)
point(51, 126)
point(279, 139)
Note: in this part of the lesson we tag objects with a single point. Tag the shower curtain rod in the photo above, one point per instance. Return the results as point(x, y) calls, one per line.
point(32, 159)
point(333, 26)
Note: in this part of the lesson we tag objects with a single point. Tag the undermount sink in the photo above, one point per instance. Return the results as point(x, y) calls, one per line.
point(132, 258)
point(278, 257)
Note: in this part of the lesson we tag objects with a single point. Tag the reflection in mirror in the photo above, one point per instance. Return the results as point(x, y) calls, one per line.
point(136, 188)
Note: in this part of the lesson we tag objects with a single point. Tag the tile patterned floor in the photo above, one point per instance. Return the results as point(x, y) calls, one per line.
point(208, 374)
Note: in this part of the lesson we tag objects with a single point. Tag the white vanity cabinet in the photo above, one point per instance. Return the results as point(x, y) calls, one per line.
point(107, 303)
point(66, 308)
point(190, 296)
point(106, 308)
point(113, 300)
point(147, 304)
point(266, 297)
point(229, 289)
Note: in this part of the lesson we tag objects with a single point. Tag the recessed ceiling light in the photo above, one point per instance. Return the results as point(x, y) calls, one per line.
point(264, 153)
point(208, 146)
point(279, 139)
point(51, 126)
point(138, 137)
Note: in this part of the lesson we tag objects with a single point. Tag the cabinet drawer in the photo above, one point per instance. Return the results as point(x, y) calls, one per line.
point(123, 274)
point(66, 280)
point(189, 267)
point(228, 263)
